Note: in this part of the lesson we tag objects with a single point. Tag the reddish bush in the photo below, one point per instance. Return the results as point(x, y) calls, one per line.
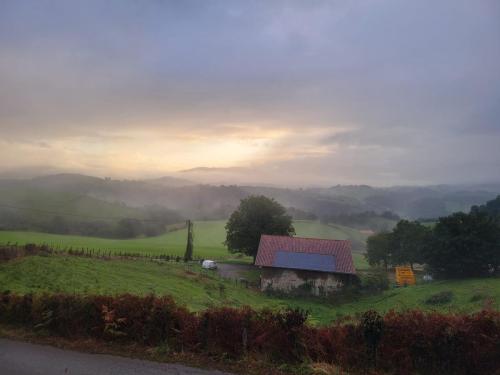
point(280, 335)
point(351, 349)
point(400, 343)
point(439, 343)
point(148, 320)
point(225, 330)
point(68, 315)
point(16, 309)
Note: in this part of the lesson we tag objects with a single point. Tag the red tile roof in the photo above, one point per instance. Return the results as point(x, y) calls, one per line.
point(270, 245)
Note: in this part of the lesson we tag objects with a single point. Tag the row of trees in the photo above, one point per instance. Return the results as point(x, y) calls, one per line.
point(149, 221)
point(459, 245)
point(365, 220)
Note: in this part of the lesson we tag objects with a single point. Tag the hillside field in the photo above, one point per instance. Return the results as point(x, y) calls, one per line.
point(199, 289)
point(208, 240)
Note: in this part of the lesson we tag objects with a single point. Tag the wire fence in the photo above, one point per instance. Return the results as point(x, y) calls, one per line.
point(14, 250)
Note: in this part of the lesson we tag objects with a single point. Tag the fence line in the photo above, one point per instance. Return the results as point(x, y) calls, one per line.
point(14, 250)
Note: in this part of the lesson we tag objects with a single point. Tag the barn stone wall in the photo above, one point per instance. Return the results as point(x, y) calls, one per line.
point(301, 282)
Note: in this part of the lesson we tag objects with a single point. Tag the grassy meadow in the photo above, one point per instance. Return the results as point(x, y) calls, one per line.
point(209, 236)
point(208, 240)
point(199, 289)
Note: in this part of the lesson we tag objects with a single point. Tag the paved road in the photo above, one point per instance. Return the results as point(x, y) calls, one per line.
point(18, 358)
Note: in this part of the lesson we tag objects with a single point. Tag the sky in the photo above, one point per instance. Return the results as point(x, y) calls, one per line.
point(295, 93)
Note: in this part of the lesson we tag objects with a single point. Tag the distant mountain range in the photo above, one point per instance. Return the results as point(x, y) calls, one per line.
point(201, 201)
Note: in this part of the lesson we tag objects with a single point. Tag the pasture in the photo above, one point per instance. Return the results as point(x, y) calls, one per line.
point(199, 289)
point(208, 240)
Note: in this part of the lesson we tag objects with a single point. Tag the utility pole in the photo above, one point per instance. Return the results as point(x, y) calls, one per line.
point(188, 255)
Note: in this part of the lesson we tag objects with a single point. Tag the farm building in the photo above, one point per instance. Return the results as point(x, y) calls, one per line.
point(304, 265)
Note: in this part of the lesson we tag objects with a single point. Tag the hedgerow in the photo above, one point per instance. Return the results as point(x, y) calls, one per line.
point(399, 342)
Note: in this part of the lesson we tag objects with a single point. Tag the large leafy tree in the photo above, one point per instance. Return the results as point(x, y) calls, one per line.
point(492, 207)
point(409, 240)
point(465, 245)
point(378, 249)
point(255, 216)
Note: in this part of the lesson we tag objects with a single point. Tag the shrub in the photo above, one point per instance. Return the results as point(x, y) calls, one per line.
point(280, 335)
point(375, 281)
point(225, 330)
point(16, 309)
point(416, 342)
point(400, 343)
point(373, 325)
point(476, 297)
point(439, 298)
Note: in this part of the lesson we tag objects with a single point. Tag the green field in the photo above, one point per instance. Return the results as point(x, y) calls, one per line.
point(208, 240)
point(199, 289)
point(209, 236)
point(332, 231)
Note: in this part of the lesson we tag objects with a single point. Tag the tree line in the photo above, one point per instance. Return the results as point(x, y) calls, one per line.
point(150, 221)
point(458, 245)
point(366, 219)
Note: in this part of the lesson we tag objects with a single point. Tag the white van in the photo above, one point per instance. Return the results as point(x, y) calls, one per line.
point(209, 265)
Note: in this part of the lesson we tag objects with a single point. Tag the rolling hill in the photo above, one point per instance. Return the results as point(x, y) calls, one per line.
point(39, 203)
point(208, 240)
point(69, 212)
point(209, 202)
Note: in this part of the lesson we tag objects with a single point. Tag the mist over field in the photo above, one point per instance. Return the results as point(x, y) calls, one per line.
point(79, 204)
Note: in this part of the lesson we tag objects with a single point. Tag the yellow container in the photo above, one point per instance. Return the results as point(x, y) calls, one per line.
point(404, 276)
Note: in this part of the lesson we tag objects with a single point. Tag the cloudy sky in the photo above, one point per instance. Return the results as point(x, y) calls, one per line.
point(283, 92)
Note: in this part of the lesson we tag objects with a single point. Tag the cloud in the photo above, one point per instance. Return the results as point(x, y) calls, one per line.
point(368, 91)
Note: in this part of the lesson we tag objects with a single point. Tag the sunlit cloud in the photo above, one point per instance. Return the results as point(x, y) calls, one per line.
point(299, 92)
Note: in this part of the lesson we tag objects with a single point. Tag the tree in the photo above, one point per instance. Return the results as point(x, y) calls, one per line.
point(255, 216)
point(378, 249)
point(409, 240)
point(188, 255)
point(465, 245)
point(129, 228)
point(492, 207)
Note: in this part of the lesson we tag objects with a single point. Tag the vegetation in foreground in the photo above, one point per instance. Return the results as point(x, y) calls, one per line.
point(198, 289)
point(409, 342)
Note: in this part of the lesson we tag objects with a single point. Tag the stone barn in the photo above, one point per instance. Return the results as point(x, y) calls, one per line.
point(298, 265)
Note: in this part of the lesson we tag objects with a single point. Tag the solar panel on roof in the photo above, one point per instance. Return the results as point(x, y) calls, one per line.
point(305, 261)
